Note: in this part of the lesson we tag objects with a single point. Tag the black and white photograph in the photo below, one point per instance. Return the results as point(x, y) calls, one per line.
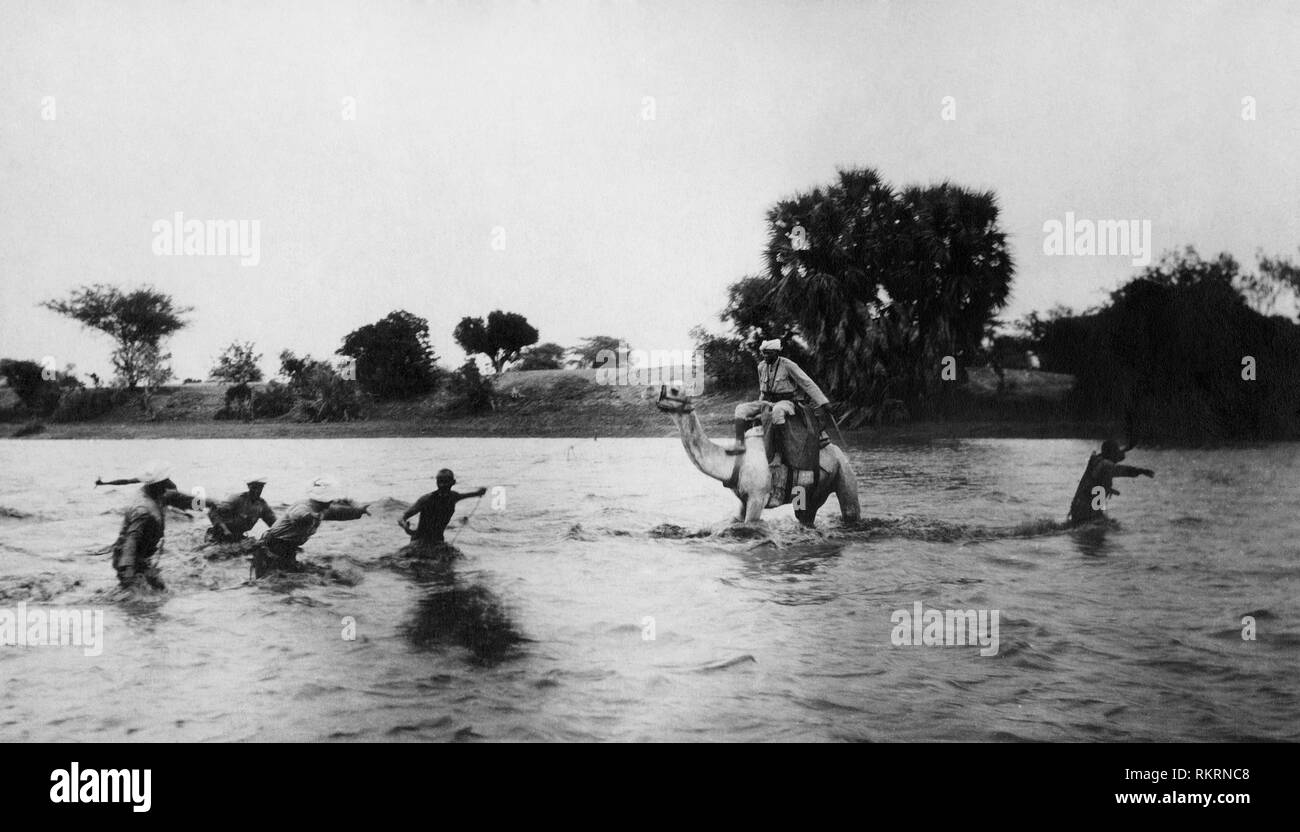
point(650, 371)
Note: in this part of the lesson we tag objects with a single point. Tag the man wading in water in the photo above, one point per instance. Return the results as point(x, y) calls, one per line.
point(435, 509)
point(143, 525)
point(237, 514)
point(280, 544)
point(1102, 469)
point(779, 381)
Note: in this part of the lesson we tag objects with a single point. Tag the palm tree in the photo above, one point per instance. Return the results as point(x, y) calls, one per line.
point(881, 284)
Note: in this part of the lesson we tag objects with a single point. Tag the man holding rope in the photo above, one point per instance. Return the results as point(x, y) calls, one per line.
point(435, 509)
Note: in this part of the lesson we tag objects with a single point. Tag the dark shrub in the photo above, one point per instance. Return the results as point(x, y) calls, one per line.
point(275, 400)
point(83, 404)
point(37, 394)
point(470, 392)
point(328, 398)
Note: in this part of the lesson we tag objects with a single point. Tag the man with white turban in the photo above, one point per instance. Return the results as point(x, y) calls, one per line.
point(280, 545)
point(143, 526)
point(780, 381)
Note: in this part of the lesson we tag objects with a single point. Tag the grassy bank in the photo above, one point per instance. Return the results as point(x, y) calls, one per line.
point(568, 403)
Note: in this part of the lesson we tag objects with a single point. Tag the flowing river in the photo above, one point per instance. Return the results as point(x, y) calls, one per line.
point(601, 596)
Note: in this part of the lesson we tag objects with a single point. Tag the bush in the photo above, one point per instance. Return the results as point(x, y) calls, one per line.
point(83, 404)
point(326, 397)
point(276, 400)
point(239, 399)
point(470, 392)
point(322, 395)
point(38, 395)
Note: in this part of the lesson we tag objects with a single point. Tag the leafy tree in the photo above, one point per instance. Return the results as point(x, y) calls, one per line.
point(292, 367)
point(726, 361)
point(501, 339)
point(393, 357)
point(753, 312)
point(547, 356)
point(1168, 354)
point(153, 371)
point(587, 353)
point(137, 321)
point(238, 364)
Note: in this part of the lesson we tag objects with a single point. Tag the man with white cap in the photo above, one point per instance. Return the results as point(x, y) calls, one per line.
point(143, 526)
point(238, 513)
point(780, 380)
point(280, 544)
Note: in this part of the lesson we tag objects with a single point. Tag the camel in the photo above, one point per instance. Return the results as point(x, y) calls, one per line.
point(752, 483)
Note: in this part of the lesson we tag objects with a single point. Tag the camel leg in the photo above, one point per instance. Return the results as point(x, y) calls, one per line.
point(754, 508)
point(807, 516)
point(740, 515)
point(846, 489)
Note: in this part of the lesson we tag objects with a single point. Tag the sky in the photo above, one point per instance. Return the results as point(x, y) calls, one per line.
point(601, 167)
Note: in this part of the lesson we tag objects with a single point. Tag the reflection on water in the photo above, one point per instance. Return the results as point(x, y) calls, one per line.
point(452, 611)
point(1090, 538)
point(606, 598)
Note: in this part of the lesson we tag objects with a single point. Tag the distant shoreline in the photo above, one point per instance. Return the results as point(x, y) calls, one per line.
point(568, 404)
point(480, 428)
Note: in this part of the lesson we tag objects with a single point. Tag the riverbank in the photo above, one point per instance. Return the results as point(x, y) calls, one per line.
point(568, 403)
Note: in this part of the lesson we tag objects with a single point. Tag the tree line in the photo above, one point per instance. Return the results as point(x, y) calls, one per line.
point(389, 360)
point(872, 288)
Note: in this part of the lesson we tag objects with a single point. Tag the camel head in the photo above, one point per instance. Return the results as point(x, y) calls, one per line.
point(673, 398)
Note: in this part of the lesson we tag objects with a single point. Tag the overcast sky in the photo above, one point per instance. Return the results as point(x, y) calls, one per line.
point(531, 117)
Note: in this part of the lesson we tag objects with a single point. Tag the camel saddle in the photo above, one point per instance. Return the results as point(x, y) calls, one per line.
point(798, 441)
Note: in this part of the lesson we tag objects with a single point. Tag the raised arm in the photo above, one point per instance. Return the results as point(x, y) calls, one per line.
point(478, 492)
point(1131, 471)
point(178, 499)
point(99, 482)
point(345, 511)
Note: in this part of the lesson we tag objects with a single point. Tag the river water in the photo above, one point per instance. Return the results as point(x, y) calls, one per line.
point(601, 597)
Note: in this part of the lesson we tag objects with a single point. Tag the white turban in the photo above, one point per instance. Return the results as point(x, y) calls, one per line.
point(155, 471)
point(325, 490)
point(774, 344)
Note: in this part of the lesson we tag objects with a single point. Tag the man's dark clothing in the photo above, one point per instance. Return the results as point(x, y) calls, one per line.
point(435, 510)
